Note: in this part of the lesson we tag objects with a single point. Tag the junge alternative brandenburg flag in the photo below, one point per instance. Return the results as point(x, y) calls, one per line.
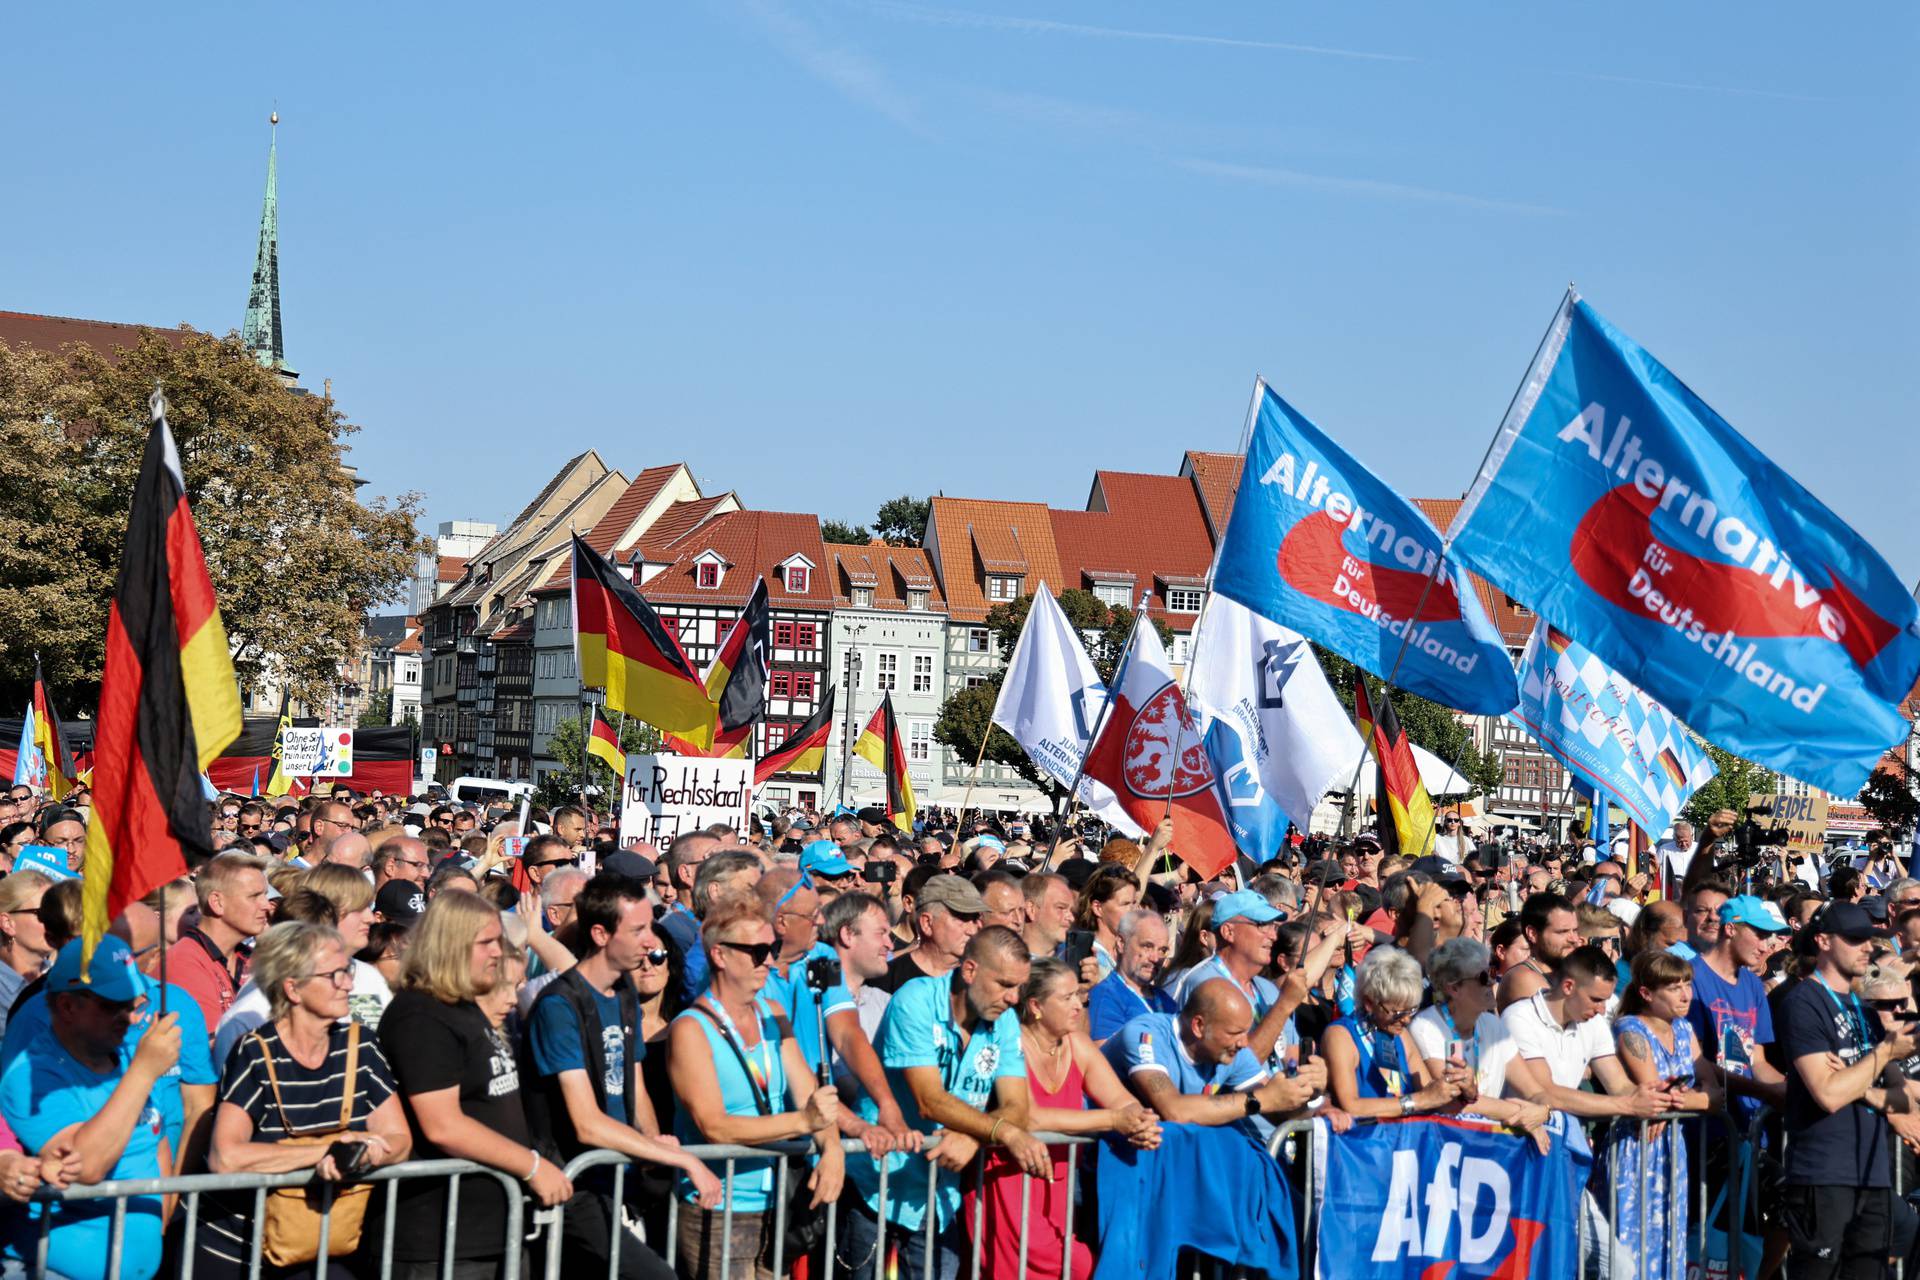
point(169, 703)
point(603, 743)
point(626, 650)
point(880, 746)
point(804, 751)
point(49, 735)
point(1401, 790)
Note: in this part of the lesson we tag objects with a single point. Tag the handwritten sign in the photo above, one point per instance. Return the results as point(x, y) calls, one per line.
point(666, 796)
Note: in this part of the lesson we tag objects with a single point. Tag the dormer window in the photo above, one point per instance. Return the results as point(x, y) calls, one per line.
point(1000, 587)
point(916, 598)
point(796, 579)
point(707, 576)
point(863, 597)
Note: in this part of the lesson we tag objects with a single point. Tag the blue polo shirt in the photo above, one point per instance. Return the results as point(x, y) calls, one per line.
point(1113, 1003)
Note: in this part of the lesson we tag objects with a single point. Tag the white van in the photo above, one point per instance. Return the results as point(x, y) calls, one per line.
point(485, 791)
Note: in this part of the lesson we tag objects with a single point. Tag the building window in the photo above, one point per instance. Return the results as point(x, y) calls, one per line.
point(923, 673)
point(1115, 595)
point(979, 640)
point(780, 685)
point(1185, 599)
point(919, 741)
point(1182, 649)
point(783, 635)
point(796, 579)
point(805, 635)
point(863, 597)
point(850, 669)
point(707, 575)
point(999, 588)
point(803, 686)
point(974, 682)
point(916, 600)
point(886, 672)
point(1519, 610)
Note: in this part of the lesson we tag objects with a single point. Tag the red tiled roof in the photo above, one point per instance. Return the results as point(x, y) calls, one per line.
point(753, 543)
point(1216, 476)
point(451, 567)
point(889, 570)
point(1152, 529)
point(675, 521)
point(412, 643)
point(1512, 620)
point(967, 531)
point(606, 534)
point(51, 333)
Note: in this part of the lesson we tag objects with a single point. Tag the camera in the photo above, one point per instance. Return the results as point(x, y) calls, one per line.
point(879, 871)
point(823, 973)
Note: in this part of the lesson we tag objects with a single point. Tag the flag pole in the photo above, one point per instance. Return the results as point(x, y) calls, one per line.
point(1106, 707)
point(966, 801)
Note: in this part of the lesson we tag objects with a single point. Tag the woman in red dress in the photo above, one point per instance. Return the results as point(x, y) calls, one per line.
point(1074, 1091)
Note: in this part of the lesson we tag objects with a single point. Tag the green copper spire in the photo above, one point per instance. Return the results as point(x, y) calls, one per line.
point(261, 329)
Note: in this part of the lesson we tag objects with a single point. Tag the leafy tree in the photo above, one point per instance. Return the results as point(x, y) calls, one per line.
point(1104, 628)
point(847, 534)
point(379, 712)
point(296, 558)
point(902, 521)
point(1737, 780)
point(562, 786)
point(1890, 802)
point(1432, 725)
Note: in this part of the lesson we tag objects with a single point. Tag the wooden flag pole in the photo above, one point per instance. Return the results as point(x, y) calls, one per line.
point(966, 801)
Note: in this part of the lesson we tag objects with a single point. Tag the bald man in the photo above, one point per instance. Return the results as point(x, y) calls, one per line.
point(348, 849)
point(1194, 1067)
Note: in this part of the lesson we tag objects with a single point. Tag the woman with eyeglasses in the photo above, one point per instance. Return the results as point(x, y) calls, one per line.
point(742, 1078)
point(295, 1075)
point(1374, 1069)
point(14, 837)
point(1461, 1033)
point(1657, 1048)
point(25, 951)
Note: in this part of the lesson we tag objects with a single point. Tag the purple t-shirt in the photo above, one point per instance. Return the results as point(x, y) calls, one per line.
point(1733, 1022)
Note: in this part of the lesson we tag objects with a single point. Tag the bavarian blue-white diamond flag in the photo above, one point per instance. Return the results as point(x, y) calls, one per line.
point(1607, 731)
point(1626, 512)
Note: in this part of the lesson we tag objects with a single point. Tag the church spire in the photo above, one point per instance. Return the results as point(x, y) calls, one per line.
point(261, 331)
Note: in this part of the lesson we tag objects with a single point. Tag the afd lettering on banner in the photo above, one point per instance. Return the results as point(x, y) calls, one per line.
point(1403, 1196)
point(1659, 538)
point(666, 796)
point(1319, 543)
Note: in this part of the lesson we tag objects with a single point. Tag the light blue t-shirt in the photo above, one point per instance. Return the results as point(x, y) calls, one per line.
point(196, 1065)
point(43, 1090)
point(1113, 1003)
point(554, 1037)
point(1261, 994)
point(919, 1031)
point(753, 1180)
point(791, 992)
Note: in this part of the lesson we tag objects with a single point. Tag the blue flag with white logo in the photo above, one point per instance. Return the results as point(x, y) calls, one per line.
point(1412, 1199)
point(1319, 543)
point(1627, 513)
point(1595, 722)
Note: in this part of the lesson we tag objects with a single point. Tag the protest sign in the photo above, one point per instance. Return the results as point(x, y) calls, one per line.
point(316, 753)
point(666, 796)
point(1804, 817)
point(48, 859)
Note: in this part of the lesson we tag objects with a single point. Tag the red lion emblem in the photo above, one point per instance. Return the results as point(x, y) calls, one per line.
point(1161, 731)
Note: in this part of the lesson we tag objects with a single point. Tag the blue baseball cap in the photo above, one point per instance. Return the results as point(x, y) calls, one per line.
point(823, 858)
point(111, 976)
point(991, 840)
point(1755, 912)
point(1243, 904)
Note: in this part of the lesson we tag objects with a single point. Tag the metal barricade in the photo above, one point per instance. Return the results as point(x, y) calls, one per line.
point(192, 1187)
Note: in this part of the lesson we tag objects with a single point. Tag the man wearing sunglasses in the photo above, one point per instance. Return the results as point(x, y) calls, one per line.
point(584, 1038)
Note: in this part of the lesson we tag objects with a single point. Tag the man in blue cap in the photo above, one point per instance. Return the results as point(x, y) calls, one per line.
point(1730, 1014)
point(1246, 925)
point(76, 1088)
point(826, 869)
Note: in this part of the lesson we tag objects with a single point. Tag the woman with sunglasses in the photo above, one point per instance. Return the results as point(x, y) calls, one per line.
point(736, 1067)
point(1374, 1069)
point(25, 951)
point(1461, 1033)
point(1657, 1048)
point(14, 837)
point(293, 1076)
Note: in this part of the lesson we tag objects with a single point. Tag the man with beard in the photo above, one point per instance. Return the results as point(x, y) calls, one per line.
point(1552, 929)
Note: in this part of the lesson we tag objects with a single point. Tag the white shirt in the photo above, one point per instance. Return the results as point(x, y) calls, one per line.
point(250, 1011)
point(1488, 1052)
point(1453, 848)
point(1677, 858)
point(1567, 1051)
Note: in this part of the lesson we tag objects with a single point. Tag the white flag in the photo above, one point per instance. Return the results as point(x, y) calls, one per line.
point(1050, 702)
point(1277, 735)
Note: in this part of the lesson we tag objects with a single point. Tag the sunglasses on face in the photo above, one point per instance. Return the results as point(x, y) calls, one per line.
point(758, 953)
point(556, 862)
point(656, 957)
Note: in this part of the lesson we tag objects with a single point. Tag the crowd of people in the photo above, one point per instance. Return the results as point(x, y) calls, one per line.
point(348, 983)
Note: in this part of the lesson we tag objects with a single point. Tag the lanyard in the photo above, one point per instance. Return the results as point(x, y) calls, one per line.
point(759, 1067)
point(1856, 1018)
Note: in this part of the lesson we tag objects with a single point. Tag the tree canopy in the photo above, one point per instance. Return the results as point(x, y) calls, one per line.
point(842, 532)
point(562, 786)
point(901, 521)
point(296, 558)
point(1890, 802)
point(1737, 780)
point(1429, 724)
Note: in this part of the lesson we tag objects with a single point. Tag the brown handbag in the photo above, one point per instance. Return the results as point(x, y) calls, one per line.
point(291, 1233)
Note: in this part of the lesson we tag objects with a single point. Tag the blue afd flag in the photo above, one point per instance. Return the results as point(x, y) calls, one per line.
point(1630, 515)
point(1319, 543)
point(1604, 729)
point(1404, 1195)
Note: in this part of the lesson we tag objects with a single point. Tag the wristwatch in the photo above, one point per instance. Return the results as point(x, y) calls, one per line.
point(1406, 1104)
point(1253, 1105)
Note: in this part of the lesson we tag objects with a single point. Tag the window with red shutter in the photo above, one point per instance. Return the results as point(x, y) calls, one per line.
point(805, 635)
point(803, 684)
point(783, 635)
point(780, 685)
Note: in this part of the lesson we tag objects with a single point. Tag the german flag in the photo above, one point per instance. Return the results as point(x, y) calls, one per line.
point(731, 745)
point(804, 751)
point(1401, 790)
point(626, 650)
point(50, 737)
point(169, 703)
point(737, 680)
point(880, 746)
point(604, 744)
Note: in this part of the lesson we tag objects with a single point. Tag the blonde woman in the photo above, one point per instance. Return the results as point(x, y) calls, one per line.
point(461, 1087)
point(24, 950)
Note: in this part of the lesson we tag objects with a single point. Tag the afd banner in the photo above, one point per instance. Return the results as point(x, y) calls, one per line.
point(1634, 518)
point(1319, 543)
point(1402, 1196)
point(1606, 730)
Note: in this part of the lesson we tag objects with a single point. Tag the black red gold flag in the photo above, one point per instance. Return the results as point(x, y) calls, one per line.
point(626, 650)
point(881, 747)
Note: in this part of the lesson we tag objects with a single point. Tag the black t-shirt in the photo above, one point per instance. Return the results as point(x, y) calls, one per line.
point(433, 1046)
point(900, 971)
point(1847, 1148)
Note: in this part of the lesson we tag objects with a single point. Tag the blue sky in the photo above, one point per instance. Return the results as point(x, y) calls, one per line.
point(831, 251)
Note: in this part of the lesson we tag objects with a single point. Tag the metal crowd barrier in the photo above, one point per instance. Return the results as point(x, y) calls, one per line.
point(1683, 1149)
point(192, 1187)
